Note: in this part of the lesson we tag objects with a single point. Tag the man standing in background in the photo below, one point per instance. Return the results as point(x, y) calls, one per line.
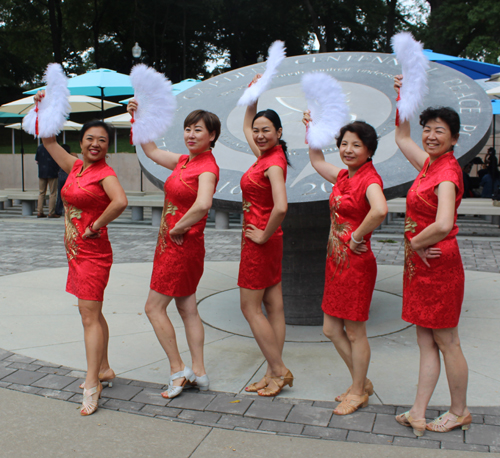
point(47, 175)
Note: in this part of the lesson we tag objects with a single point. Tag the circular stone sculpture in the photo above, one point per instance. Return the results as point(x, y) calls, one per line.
point(367, 80)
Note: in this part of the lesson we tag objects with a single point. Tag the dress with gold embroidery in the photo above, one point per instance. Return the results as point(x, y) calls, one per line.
point(432, 297)
point(89, 259)
point(349, 278)
point(260, 265)
point(177, 269)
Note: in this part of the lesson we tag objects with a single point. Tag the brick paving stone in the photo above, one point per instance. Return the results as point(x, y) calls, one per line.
point(200, 418)
point(268, 410)
point(76, 398)
point(485, 410)
point(122, 381)
point(5, 354)
point(280, 427)
point(15, 358)
point(388, 410)
point(192, 401)
point(75, 386)
point(386, 424)
point(483, 435)
point(325, 404)
point(161, 411)
point(54, 370)
point(55, 382)
point(123, 392)
point(477, 418)
point(236, 421)
point(308, 415)
point(358, 421)
point(151, 385)
point(420, 443)
point(455, 436)
point(225, 404)
point(79, 374)
point(5, 371)
point(23, 388)
point(181, 420)
point(429, 413)
point(23, 377)
point(118, 404)
point(325, 433)
point(24, 366)
point(47, 364)
point(367, 438)
point(491, 420)
point(464, 447)
point(149, 396)
point(495, 449)
point(293, 401)
point(56, 394)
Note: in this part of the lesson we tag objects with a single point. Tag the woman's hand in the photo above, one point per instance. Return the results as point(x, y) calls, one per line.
point(38, 97)
point(358, 248)
point(398, 83)
point(254, 234)
point(256, 78)
point(88, 234)
point(177, 235)
point(306, 119)
point(428, 253)
point(132, 106)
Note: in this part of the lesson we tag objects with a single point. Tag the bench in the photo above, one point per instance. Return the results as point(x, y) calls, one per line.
point(137, 202)
point(28, 200)
point(5, 202)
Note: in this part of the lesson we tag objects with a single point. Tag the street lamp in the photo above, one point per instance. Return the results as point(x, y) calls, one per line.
point(136, 51)
point(260, 58)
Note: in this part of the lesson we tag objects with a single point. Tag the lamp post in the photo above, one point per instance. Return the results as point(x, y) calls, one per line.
point(136, 54)
point(260, 58)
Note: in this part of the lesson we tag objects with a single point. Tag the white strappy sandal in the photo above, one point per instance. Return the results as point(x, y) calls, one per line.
point(173, 390)
point(89, 404)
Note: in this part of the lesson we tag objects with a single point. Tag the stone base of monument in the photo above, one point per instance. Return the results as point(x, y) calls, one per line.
point(305, 237)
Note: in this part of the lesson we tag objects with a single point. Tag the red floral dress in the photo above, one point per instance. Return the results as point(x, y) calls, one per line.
point(432, 297)
point(349, 278)
point(177, 269)
point(260, 265)
point(89, 259)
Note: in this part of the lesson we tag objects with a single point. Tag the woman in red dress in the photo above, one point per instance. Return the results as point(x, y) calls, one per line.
point(433, 286)
point(180, 252)
point(92, 197)
point(264, 208)
point(357, 207)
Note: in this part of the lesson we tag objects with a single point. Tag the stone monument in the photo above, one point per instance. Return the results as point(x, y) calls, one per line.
point(367, 80)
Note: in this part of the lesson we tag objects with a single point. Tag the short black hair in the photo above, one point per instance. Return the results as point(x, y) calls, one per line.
point(366, 133)
point(446, 114)
point(211, 120)
point(97, 123)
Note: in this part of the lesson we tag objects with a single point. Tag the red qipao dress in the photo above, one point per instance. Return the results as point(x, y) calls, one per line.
point(432, 297)
point(177, 269)
point(349, 278)
point(89, 259)
point(260, 265)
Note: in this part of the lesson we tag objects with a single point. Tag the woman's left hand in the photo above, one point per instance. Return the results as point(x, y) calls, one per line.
point(88, 234)
point(254, 234)
point(428, 253)
point(177, 235)
point(358, 248)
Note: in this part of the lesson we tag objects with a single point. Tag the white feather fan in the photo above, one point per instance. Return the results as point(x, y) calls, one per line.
point(54, 108)
point(414, 64)
point(276, 54)
point(156, 104)
point(328, 106)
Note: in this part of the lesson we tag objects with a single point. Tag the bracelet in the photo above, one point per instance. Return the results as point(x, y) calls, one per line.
point(355, 241)
point(91, 229)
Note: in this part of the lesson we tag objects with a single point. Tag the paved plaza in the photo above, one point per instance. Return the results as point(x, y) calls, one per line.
point(42, 354)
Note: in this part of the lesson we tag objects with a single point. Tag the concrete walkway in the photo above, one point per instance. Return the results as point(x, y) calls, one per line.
point(41, 335)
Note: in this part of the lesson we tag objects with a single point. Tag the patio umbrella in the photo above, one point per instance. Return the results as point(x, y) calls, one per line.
point(472, 68)
point(68, 125)
point(98, 83)
point(121, 121)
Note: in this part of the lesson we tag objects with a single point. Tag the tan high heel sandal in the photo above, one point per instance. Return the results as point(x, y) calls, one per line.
point(368, 390)
point(274, 387)
point(406, 419)
point(89, 404)
point(439, 425)
point(253, 388)
point(351, 403)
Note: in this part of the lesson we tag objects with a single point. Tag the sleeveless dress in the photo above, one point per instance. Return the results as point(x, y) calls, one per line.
point(432, 297)
point(177, 269)
point(349, 277)
point(89, 259)
point(260, 265)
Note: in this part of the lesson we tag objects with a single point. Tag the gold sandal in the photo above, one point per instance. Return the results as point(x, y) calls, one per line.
point(368, 389)
point(406, 419)
point(89, 404)
point(351, 403)
point(268, 391)
point(439, 424)
point(253, 388)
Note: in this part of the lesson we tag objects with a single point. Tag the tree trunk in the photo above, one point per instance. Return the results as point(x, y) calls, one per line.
point(55, 18)
point(316, 26)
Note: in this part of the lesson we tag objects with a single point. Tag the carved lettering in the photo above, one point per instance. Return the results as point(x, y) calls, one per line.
point(313, 186)
point(469, 103)
point(234, 190)
point(470, 110)
point(220, 190)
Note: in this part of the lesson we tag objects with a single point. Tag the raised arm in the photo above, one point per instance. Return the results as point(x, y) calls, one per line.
point(278, 213)
point(247, 122)
point(166, 159)
point(416, 155)
point(118, 204)
point(378, 211)
point(202, 204)
point(328, 171)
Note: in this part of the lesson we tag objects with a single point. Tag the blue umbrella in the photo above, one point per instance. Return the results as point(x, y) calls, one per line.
point(495, 105)
point(472, 68)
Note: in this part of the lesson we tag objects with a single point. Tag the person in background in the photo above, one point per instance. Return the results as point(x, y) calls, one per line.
point(47, 176)
point(61, 180)
point(491, 177)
